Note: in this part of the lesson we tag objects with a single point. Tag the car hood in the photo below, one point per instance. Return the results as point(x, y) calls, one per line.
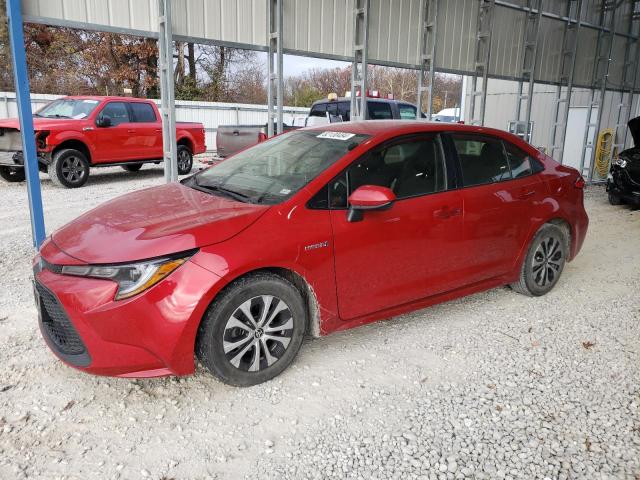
point(634, 128)
point(154, 222)
point(38, 123)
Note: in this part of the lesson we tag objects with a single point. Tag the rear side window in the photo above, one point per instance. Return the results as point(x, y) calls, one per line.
point(143, 112)
point(482, 159)
point(344, 108)
point(319, 110)
point(117, 112)
point(407, 112)
point(521, 163)
point(379, 111)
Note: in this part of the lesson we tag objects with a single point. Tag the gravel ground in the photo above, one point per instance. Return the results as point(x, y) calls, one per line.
point(495, 385)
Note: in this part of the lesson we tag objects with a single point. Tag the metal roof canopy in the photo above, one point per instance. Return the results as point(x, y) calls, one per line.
point(324, 29)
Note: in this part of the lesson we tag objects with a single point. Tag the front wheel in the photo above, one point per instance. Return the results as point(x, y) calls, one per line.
point(253, 331)
point(69, 168)
point(11, 174)
point(615, 199)
point(544, 262)
point(185, 160)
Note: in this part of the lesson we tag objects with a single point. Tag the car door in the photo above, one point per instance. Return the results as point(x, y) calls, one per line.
point(408, 251)
point(497, 208)
point(116, 142)
point(148, 131)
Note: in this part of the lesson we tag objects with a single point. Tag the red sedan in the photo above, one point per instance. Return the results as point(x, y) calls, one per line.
point(313, 231)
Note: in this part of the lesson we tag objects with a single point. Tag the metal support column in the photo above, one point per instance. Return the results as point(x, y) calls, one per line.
point(565, 78)
point(528, 52)
point(599, 76)
point(629, 78)
point(428, 36)
point(274, 66)
point(23, 99)
point(167, 94)
point(482, 57)
point(359, 66)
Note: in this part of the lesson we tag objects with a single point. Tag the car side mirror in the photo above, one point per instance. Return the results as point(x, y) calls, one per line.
point(369, 197)
point(103, 121)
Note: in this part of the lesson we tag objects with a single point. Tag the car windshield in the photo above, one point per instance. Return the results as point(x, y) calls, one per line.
point(273, 171)
point(68, 108)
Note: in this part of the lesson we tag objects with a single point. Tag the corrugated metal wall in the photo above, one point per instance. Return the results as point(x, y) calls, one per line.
point(325, 28)
point(210, 114)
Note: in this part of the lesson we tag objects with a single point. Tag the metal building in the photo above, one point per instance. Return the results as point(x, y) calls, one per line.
point(557, 45)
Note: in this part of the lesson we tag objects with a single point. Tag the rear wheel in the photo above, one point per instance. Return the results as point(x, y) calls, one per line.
point(132, 168)
point(11, 174)
point(185, 160)
point(253, 331)
point(544, 262)
point(69, 168)
point(615, 199)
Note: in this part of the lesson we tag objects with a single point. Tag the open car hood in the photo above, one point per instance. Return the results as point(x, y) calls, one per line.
point(634, 128)
point(154, 222)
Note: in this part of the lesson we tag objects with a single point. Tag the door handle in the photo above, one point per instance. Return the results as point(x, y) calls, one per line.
point(131, 131)
point(526, 194)
point(236, 132)
point(442, 213)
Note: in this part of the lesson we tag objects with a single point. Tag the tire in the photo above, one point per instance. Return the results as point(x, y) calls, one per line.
point(185, 160)
point(69, 168)
point(615, 199)
point(544, 262)
point(12, 175)
point(132, 168)
point(219, 330)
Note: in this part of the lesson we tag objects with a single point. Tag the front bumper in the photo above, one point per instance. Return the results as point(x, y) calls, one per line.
point(17, 159)
point(151, 334)
point(620, 183)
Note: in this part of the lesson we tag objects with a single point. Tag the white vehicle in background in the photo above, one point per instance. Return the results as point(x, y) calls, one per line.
point(447, 115)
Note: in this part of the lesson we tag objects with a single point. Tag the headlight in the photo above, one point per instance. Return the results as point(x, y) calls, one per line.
point(132, 278)
point(621, 162)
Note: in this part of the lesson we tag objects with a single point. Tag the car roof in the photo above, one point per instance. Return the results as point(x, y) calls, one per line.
point(369, 99)
point(101, 98)
point(400, 127)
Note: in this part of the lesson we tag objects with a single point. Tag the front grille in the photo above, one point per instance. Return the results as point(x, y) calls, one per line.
point(56, 324)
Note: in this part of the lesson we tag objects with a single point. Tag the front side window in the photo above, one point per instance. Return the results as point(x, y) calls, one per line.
point(68, 108)
point(407, 112)
point(273, 171)
point(143, 112)
point(117, 112)
point(482, 159)
point(379, 111)
point(411, 168)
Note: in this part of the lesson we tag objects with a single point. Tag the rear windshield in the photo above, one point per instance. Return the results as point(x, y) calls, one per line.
point(273, 171)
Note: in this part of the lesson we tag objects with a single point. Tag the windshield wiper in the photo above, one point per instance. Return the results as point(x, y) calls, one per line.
point(241, 197)
point(57, 115)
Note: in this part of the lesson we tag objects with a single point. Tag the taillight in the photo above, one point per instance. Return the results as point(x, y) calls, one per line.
point(579, 183)
point(262, 137)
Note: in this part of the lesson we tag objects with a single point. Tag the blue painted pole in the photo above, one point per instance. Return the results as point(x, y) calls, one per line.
point(23, 97)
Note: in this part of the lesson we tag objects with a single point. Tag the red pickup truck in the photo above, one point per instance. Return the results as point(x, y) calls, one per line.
point(76, 133)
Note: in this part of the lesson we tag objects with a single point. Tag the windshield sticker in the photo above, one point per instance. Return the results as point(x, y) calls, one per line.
point(91, 102)
point(337, 135)
point(285, 191)
point(79, 116)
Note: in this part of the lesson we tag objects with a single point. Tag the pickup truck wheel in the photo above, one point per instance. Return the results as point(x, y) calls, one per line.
point(185, 160)
point(132, 168)
point(11, 174)
point(69, 168)
point(253, 331)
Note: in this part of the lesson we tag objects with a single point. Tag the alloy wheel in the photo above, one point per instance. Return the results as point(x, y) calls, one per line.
point(183, 160)
point(547, 261)
point(73, 169)
point(258, 333)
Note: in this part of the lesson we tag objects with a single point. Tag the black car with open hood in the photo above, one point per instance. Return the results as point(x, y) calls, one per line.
point(623, 181)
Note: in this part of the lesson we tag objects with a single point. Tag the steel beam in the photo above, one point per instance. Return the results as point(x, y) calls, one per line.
point(428, 37)
point(360, 59)
point(599, 75)
point(274, 66)
point(23, 99)
point(565, 76)
point(482, 58)
point(529, 58)
point(167, 94)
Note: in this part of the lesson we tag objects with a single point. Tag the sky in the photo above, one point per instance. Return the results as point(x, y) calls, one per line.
point(295, 65)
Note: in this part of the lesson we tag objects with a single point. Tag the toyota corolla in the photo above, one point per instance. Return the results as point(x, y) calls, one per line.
point(311, 232)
